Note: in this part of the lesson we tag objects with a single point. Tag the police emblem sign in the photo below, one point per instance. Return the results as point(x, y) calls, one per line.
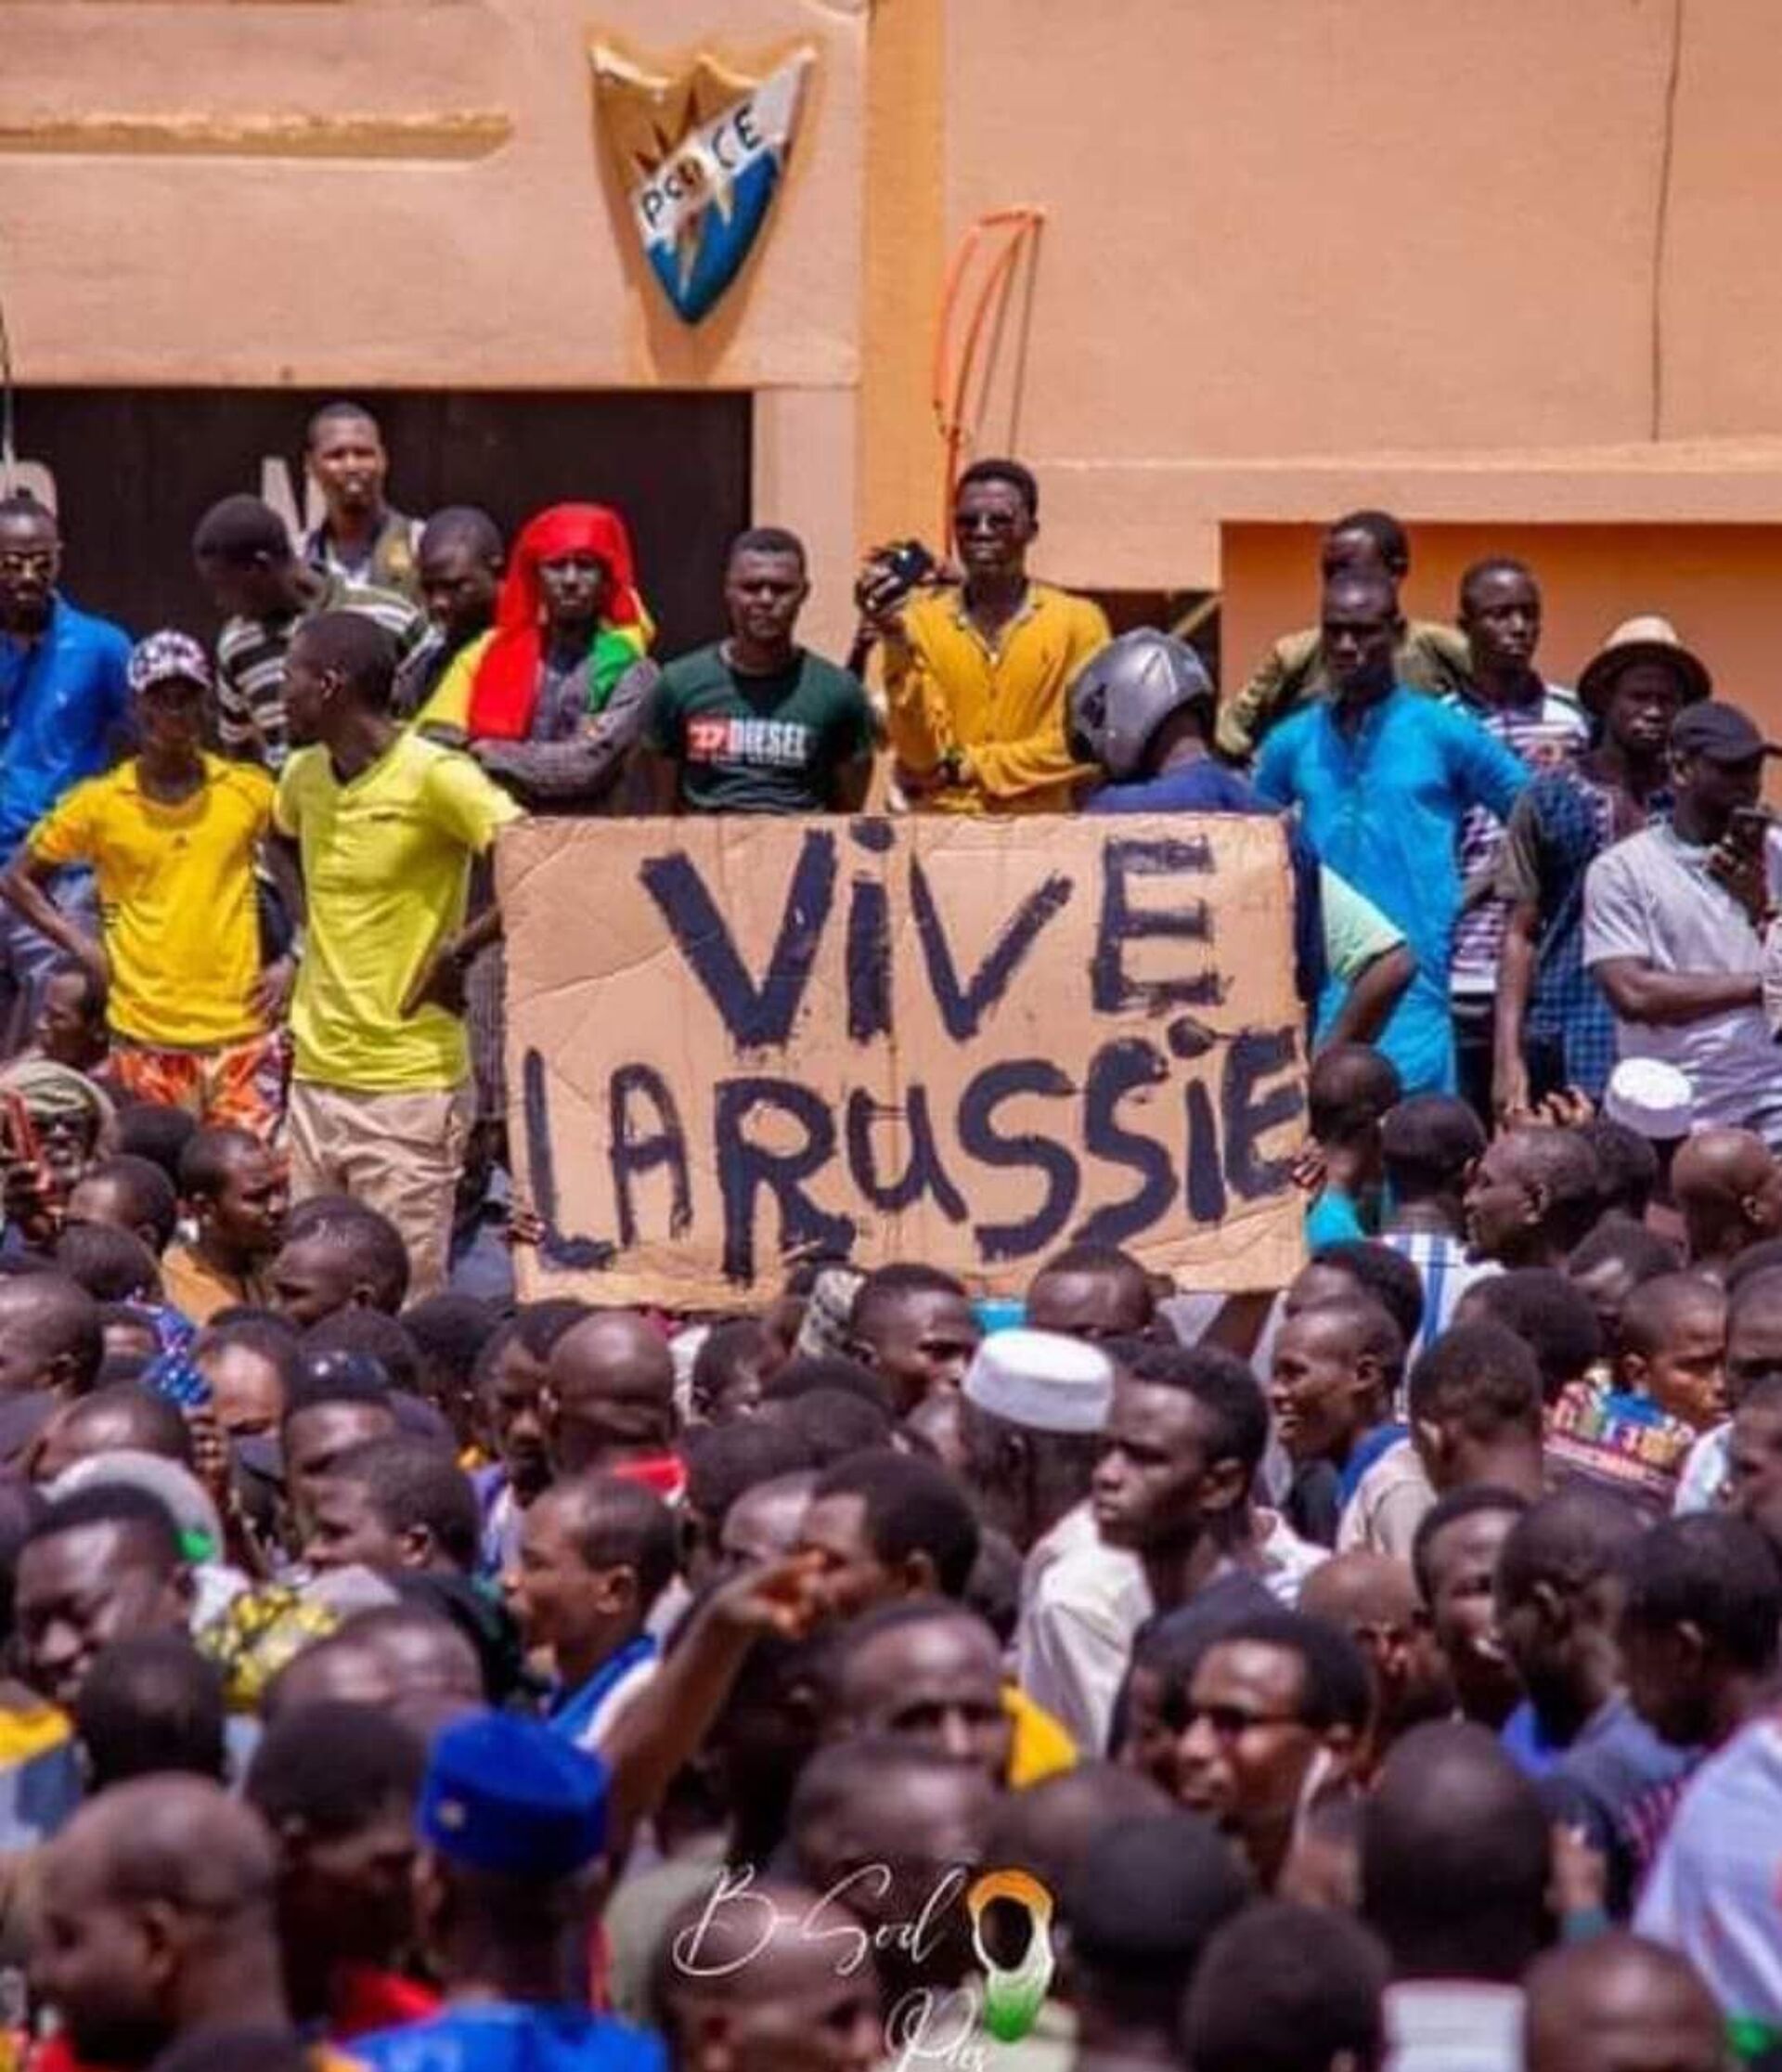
point(700, 155)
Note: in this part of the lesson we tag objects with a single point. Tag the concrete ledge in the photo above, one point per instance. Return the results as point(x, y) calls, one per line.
point(1154, 524)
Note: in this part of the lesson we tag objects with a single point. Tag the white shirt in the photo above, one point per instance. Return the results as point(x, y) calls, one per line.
point(1081, 1604)
point(1453, 2025)
point(1704, 1472)
point(1284, 1559)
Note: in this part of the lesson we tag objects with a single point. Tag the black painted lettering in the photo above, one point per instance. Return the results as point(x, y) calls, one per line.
point(745, 1167)
point(1205, 1183)
point(874, 835)
point(1116, 1069)
point(574, 1254)
point(923, 1172)
point(754, 1015)
point(634, 1148)
point(1112, 988)
point(963, 1009)
point(868, 960)
point(981, 1140)
point(1256, 1054)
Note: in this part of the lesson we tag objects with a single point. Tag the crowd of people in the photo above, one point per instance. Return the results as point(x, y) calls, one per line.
point(1376, 1674)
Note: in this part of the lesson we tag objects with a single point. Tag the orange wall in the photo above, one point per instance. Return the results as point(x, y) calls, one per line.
point(1481, 261)
point(1718, 585)
point(1282, 230)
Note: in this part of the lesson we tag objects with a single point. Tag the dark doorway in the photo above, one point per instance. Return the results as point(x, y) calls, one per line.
point(135, 469)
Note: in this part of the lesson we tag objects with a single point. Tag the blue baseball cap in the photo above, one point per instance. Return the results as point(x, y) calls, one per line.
point(509, 1796)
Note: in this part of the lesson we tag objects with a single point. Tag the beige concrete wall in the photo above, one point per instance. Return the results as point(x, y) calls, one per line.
point(1282, 229)
point(410, 193)
point(1492, 258)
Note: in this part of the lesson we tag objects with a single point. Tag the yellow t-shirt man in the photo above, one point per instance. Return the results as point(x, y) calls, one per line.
point(386, 869)
point(177, 910)
point(1002, 706)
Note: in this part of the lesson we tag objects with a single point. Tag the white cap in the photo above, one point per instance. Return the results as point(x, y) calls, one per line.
point(1651, 1098)
point(1041, 1380)
point(186, 1500)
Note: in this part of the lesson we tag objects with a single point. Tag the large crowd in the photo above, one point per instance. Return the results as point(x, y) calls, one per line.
point(1374, 1674)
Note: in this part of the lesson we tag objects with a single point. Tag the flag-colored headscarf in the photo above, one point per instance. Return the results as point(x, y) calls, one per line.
point(506, 689)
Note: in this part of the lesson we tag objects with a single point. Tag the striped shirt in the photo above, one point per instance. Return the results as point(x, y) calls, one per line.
point(1547, 733)
point(250, 665)
point(1446, 1273)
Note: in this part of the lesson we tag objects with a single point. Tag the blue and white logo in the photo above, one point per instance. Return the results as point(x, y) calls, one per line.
point(700, 157)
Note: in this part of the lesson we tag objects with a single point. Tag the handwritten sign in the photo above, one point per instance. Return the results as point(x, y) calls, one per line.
point(964, 1041)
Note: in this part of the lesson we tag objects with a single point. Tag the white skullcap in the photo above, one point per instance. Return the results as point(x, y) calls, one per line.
point(1041, 1380)
point(1652, 1099)
point(184, 1497)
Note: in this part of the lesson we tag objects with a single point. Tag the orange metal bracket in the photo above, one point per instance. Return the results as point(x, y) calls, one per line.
point(956, 415)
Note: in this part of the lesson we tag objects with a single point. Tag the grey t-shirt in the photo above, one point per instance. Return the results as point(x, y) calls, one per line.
point(1651, 897)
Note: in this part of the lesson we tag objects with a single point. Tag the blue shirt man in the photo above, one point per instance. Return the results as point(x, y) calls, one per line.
point(63, 688)
point(1383, 779)
point(64, 701)
point(512, 1821)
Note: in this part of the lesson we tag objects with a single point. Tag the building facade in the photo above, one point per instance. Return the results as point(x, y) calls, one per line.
point(1504, 268)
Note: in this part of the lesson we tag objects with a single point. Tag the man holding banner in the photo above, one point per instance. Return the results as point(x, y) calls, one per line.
point(385, 826)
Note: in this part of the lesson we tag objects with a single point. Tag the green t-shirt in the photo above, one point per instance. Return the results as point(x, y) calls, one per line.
point(759, 743)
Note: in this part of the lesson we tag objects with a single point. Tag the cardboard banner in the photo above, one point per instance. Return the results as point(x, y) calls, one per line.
point(734, 1041)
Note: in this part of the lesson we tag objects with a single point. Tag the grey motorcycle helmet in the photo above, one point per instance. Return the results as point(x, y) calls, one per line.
point(1123, 695)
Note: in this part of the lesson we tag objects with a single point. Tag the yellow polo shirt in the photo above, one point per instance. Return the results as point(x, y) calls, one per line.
point(1006, 704)
point(176, 898)
point(386, 872)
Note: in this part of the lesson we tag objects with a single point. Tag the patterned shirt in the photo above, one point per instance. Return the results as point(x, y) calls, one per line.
point(1546, 733)
point(1446, 1271)
point(1561, 823)
point(1622, 1443)
point(250, 665)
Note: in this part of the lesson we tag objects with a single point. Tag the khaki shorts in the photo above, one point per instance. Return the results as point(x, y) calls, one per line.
point(398, 1153)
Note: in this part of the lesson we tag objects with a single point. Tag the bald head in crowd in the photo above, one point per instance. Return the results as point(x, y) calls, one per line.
point(880, 1799)
point(50, 1336)
point(1091, 1291)
point(157, 1911)
point(1728, 1189)
point(750, 1988)
point(1532, 1197)
point(1374, 1598)
point(1619, 2003)
point(1455, 1858)
point(1046, 1829)
point(125, 1418)
point(610, 1392)
point(387, 1656)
